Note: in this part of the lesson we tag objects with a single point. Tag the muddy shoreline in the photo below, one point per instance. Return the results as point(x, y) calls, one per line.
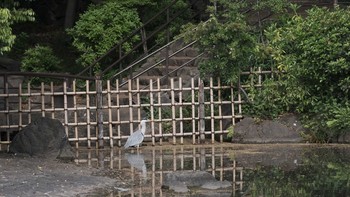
point(22, 175)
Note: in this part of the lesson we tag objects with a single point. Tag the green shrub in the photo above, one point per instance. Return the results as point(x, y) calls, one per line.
point(230, 41)
point(40, 59)
point(101, 27)
point(269, 101)
point(315, 52)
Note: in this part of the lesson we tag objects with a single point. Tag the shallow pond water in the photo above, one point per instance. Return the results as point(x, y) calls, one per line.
point(224, 170)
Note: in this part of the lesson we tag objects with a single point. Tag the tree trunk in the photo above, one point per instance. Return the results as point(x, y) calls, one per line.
point(70, 14)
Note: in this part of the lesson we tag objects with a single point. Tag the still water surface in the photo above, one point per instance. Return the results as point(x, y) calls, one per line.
point(225, 170)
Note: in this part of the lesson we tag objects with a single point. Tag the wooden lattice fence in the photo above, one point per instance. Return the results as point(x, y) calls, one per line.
point(91, 116)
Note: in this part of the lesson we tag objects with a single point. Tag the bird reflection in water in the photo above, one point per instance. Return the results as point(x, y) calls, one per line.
point(137, 161)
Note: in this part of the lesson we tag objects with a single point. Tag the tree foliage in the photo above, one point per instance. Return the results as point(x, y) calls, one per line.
point(103, 25)
point(229, 40)
point(315, 53)
point(40, 59)
point(10, 13)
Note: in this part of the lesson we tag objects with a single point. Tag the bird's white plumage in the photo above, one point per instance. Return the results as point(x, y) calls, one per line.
point(136, 138)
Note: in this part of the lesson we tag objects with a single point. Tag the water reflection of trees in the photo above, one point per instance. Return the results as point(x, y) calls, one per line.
point(323, 172)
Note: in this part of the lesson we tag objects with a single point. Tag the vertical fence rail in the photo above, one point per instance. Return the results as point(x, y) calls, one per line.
point(109, 106)
point(189, 109)
point(99, 102)
point(173, 111)
point(201, 112)
point(193, 107)
point(152, 111)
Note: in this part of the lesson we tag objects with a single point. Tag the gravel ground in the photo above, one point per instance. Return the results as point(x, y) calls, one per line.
point(35, 176)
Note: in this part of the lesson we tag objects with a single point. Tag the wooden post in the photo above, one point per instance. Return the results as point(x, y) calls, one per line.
point(65, 107)
point(110, 119)
point(99, 110)
point(212, 114)
point(173, 108)
point(152, 111)
point(88, 112)
point(193, 105)
point(203, 162)
point(201, 113)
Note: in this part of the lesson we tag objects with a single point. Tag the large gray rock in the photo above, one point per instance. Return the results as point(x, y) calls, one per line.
point(179, 181)
point(287, 128)
point(45, 137)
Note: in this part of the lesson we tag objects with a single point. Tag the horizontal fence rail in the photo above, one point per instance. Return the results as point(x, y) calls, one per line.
point(172, 110)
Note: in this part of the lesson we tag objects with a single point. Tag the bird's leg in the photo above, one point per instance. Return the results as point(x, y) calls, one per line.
point(137, 148)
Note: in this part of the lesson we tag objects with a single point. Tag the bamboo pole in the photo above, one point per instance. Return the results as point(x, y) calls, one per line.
point(20, 114)
point(160, 112)
point(99, 103)
point(110, 119)
point(131, 120)
point(212, 121)
point(42, 95)
point(29, 103)
point(75, 114)
point(118, 112)
point(220, 111)
point(180, 111)
point(174, 160)
point(213, 160)
point(193, 105)
point(88, 111)
point(52, 100)
point(65, 106)
point(201, 113)
point(233, 105)
point(138, 99)
point(152, 111)
point(202, 158)
point(194, 158)
point(173, 109)
point(182, 158)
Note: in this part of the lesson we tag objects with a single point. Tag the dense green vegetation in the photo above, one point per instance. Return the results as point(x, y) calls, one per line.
point(232, 42)
point(10, 14)
point(117, 19)
point(311, 51)
point(315, 53)
point(100, 20)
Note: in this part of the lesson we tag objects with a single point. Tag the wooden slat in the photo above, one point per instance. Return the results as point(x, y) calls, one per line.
point(180, 112)
point(88, 111)
point(173, 109)
point(212, 122)
point(193, 106)
point(110, 119)
point(152, 111)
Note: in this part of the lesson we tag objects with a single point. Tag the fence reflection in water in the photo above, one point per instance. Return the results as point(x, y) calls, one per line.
point(149, 167)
